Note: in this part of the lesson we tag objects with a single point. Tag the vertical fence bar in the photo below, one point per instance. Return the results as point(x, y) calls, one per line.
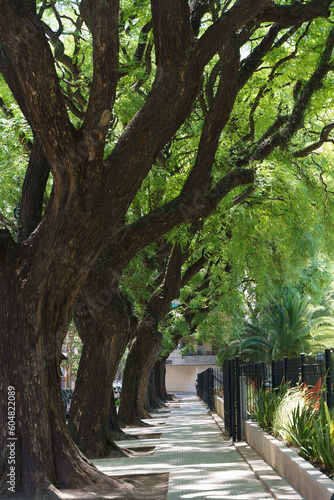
point(285, 369)
point(226, 383)
point(328, 375)
point(302, 367)
point(273, 375)
point(211, 399)
point(238, 395)
point(232, 398)
point(263, 370)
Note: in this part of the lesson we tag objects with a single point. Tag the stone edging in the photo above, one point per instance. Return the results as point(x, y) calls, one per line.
point(306, 479)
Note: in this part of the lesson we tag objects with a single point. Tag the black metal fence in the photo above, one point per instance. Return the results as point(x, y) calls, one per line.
point(209, 385)
point(238, 382)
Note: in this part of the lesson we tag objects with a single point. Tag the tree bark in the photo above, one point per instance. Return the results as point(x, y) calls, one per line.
point(152, 400)
point(105, 329)
point(146, 348)
point(41, 447)
point(141, 358)
point(160, 379)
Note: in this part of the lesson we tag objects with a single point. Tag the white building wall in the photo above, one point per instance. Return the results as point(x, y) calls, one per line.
point(182, 378)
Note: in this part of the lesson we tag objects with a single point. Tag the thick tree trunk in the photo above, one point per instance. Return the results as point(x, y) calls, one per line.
point(105, 332)
point(153, 401)
point(141, 358)
point(39, 451)
point(160, 379)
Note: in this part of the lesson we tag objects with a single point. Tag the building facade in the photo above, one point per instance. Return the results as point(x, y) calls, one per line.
point(185, 363)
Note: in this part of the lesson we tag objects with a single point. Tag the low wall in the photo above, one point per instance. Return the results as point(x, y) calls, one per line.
point(306, 479)
point(219, 407)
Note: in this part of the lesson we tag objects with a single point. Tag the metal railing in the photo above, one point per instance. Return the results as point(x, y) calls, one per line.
point(238, 383)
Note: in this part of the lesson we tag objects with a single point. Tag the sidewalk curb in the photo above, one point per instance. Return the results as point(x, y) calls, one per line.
point(277, 486)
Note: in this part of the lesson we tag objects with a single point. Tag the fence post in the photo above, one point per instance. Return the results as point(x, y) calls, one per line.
point(273, 375)
point(232, 399)
point(302, 367)
point(285, 369)
point(244, 400)
point(263, 369)
point(211, 391)
point(328, 377)
point(226, 386)
point(238, 395)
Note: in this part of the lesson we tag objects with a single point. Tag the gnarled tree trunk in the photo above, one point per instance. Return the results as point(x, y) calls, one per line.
point(105, 328)
point(142, 356)
point(40, 451)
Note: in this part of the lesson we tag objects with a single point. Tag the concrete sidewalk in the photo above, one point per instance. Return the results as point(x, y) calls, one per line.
point(201, 462)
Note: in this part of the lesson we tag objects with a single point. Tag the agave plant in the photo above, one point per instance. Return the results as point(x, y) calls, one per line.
point(266, 404)
point(324, 437)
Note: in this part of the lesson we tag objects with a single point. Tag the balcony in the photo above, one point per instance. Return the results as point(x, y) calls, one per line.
point(197, 357)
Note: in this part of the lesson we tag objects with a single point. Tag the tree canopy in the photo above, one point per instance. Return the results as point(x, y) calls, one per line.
point(122, 121)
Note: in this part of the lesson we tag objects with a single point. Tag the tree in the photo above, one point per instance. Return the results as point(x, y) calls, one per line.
point(92, 186)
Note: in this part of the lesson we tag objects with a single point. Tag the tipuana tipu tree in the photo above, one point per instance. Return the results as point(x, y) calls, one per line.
point(41, 274)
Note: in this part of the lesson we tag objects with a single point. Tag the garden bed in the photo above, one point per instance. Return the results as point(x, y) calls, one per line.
point(306, 479)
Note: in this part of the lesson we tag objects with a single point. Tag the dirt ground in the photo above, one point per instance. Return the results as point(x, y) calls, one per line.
point(147, 487)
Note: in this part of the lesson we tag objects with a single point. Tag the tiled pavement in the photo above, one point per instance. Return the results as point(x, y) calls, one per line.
point(202, 464)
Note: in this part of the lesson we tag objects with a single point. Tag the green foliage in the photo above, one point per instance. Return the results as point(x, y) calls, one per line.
point(175, 324)
point(265, 406)
point(285, 328)
point(300, 419)
point(300, 428)
point(293, 417)
point(72, 345)
point(13, 158)
point(324, 437)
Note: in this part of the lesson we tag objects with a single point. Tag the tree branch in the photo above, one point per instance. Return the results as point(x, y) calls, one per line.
point(193, 270)
point(33, 191)
point(281, 137)
point(218, 34)
point(173, 34)
point(216, 119)
point(295, 14)
point(324, 137)
point(105, 66)
point(22, 37)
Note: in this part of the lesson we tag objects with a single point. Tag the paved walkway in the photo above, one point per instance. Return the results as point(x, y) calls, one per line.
point(201, 462)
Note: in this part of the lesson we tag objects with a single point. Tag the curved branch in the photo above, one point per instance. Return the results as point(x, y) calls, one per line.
point(33, 191)
point(105, 66)
point(324, 137)
point(22, 37)
point(218, 34)
point(193, 270)
point(297, 13)
point(281, 137)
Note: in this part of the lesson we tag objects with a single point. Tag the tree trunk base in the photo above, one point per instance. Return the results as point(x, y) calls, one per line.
point(112, 488)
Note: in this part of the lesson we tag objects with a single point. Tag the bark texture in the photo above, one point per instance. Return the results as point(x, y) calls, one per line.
point(105, 331)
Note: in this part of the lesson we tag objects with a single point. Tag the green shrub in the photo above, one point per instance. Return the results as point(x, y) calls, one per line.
point(289, 412)
point(324, 437)
point(266, 404)
point(300, 427)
